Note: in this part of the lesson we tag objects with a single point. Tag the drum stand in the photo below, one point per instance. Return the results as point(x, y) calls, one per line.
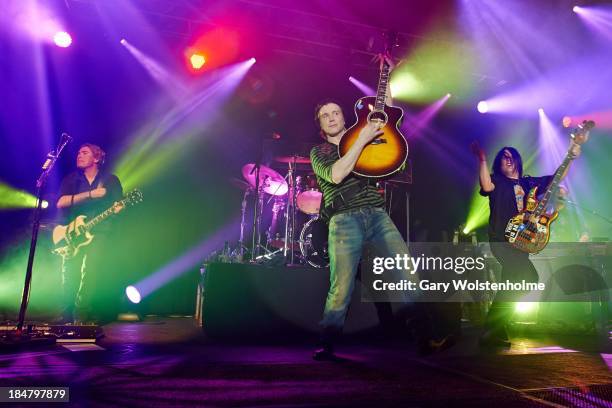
point(290, 214)
point(241, 246)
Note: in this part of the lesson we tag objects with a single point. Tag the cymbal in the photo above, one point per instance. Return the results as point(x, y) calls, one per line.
point(272, 182)
point(293, 159)
point(241, 184)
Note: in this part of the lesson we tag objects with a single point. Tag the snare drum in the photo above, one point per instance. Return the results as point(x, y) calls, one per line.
point(309, 197)
point(313, 243)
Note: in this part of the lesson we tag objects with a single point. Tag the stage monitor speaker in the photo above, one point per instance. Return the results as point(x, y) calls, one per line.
point(253, 301)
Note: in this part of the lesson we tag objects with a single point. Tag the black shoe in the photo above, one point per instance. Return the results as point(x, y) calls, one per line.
point(426, 347)
point(325, 353)
point(493, 338)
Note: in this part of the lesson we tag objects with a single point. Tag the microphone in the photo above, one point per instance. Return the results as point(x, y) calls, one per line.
point(65, 139)
point(50, 156)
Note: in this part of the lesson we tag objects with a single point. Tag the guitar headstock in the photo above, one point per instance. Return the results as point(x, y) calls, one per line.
point(580, 134)
point(391, 41)
point(133, 197)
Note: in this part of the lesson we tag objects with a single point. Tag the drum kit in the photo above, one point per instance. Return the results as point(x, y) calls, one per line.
point(293, 201)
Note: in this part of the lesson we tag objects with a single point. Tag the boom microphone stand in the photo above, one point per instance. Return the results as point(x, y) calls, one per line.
point(19, 336)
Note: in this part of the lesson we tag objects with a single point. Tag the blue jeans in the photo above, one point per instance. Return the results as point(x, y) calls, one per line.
point(349, 232)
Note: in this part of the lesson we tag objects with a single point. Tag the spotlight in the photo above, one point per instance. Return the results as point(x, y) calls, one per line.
point(123, 41)
point(483, 107)
point(62, 39)
point(448, 95)
point(253, 60)
point(133, 294)
point(45, 204)
point(525, 307)
point(576, 9)
point(567, 121)
point(197, 60)
point(541, 111)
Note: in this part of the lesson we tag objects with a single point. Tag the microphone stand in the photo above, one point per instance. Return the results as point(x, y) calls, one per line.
point(52, 157)
point(588, 210)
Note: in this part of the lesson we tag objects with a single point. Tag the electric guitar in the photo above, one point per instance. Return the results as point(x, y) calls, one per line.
point(529, 230)
point(69, 239)
point(387, 153)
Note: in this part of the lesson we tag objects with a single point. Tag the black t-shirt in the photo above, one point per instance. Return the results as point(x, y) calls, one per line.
point(503, 200)
point(76, 182)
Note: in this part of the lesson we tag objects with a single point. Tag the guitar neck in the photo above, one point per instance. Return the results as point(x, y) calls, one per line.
point(101, 217)
point(553, 184)
point(381, 92)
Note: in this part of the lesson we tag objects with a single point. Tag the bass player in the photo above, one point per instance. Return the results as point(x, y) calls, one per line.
point(506, 189)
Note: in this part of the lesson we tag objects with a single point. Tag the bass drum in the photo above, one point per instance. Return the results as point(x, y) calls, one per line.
point(313, 243)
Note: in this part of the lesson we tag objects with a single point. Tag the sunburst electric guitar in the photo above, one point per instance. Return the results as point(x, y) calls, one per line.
point(387, 153)
point(529, 230)
point(69, 239)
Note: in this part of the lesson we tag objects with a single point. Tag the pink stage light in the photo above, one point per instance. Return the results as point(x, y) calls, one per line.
point(62, 39)
point(197, 60)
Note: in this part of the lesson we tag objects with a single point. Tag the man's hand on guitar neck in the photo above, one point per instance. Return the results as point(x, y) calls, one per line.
point(574, 149)
point(386, 58)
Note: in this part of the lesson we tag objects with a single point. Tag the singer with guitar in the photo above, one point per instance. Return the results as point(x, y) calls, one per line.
point(352, 204)
point(87, 191)
point(510, 193)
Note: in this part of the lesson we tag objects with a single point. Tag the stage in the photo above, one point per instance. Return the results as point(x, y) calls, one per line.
point(244, 180)
point(169, 362)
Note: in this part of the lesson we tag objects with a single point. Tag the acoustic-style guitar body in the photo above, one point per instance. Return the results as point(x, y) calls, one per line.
point(387, 153)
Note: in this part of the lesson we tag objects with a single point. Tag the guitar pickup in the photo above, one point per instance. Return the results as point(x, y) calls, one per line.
point(378, 141)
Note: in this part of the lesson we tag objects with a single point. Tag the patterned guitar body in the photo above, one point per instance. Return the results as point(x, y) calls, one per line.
point(527, 231)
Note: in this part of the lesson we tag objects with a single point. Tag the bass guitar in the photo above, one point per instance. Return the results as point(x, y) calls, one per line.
point(529, 230)
point(387, 153)
point(69, 239)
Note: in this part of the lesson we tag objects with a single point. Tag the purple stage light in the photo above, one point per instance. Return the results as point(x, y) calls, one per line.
point(540, 111)
point(577, 9)
point(133, 294)
point(483, 107)
point(190, 259)
point(62, 39)
point(123, 41)
point(367, 90)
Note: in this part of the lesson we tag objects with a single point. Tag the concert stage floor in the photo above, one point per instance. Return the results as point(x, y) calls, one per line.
point(168, 362)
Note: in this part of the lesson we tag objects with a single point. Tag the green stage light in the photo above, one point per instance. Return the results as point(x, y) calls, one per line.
point(478, 214)
point(441, 63)
point(525, 307)
point(11, 198)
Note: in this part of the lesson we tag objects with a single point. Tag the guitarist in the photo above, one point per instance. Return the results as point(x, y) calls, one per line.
point(87, 191)
point(356, 215)
point(506, 189)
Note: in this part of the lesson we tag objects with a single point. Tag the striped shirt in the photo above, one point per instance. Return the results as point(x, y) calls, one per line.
point(323, 158)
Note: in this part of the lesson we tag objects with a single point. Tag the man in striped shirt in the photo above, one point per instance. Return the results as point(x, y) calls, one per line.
point(358, 217)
